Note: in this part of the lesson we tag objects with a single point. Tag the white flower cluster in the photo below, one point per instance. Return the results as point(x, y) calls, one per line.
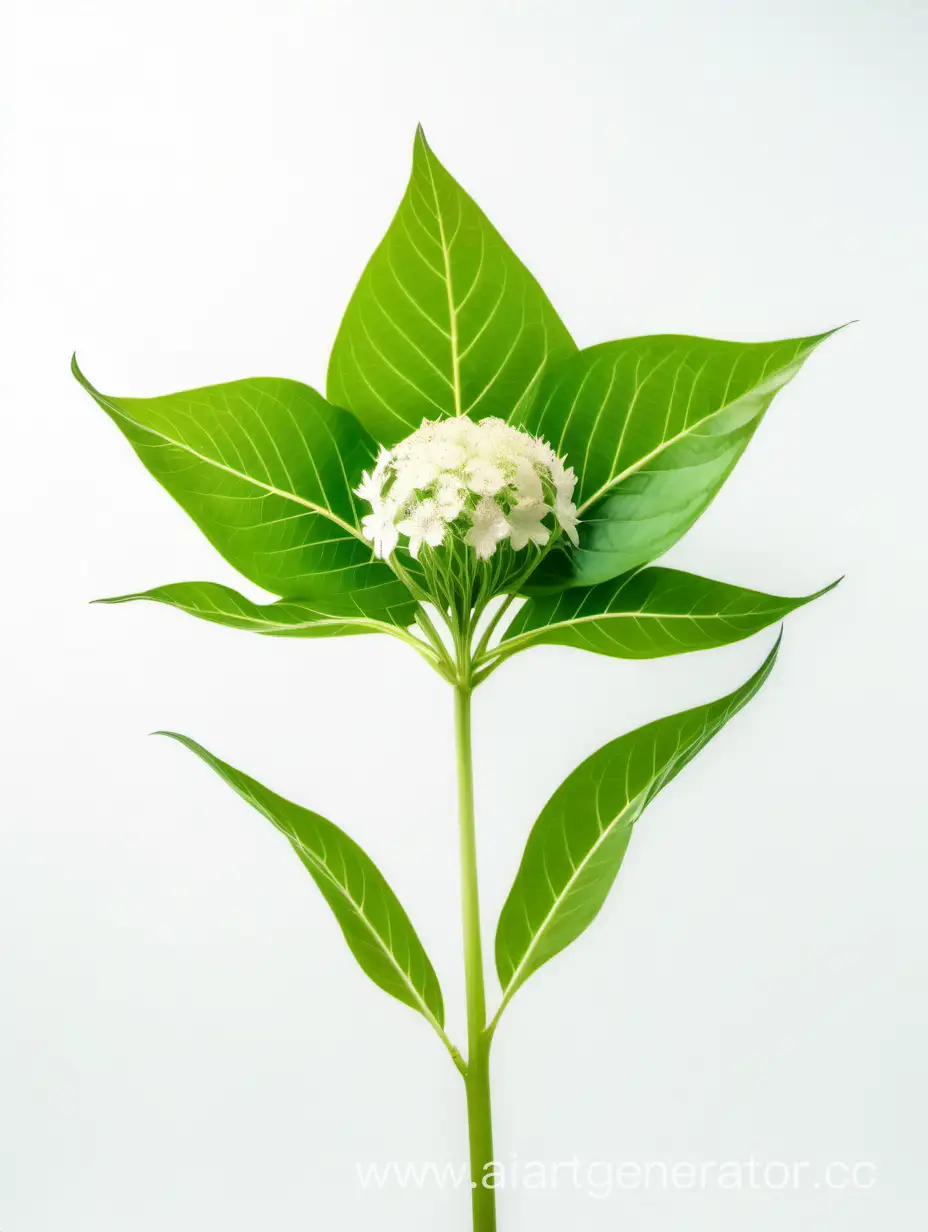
point(501, 483)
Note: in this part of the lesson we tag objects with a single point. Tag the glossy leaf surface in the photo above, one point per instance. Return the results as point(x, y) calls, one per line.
point(446, 320)
point(577, 845)
point(265, 467)
point(382, 608)
point(375, 926)
point(653, 426)
point(647, 614)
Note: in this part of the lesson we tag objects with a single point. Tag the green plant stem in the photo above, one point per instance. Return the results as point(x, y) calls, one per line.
point(477, 1078)
point(491, 626)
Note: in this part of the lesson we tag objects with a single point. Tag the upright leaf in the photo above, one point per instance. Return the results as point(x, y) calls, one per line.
point(375, 926)
point(383, 608)
point(577, 845)
point(646, 615)
point(653, 427)
point(265, 467)
point(446, 319)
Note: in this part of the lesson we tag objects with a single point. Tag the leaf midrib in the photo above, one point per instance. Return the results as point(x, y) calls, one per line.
point(328, 874)
point(271, 489)
point(449, 290)
point(724, 709)
point(515, 979)
point(686, 432)
point(422, 1005)
point(631, 615)
point(239, 783)
point(644, 796)
point(323, 622)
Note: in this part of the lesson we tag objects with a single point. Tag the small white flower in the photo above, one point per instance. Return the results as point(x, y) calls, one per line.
point(526, 524)
point(566, 513)
point(542, 452)
point(424, 525)
point(527, 483)
point(380, 527)
point(450, 494)
point(492, 435)
point(484, 477)
point(420, 472)
point(369, 488)
point(490, 528)
point(564, 480)
point(446, 454)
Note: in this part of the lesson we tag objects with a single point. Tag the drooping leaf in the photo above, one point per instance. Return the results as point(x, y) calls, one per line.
point(577, 845)
point(381, 608)
point(377, 929)
point(446, 320)
point(648, 614)
point(265, 467)
point(653, 427)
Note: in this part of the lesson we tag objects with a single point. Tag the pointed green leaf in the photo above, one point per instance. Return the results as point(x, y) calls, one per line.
point(265, 467)
point(446, 319)
point(647, 614)
point(382, 608)
point(653, 427)
point(375, 926)
point(577, 845)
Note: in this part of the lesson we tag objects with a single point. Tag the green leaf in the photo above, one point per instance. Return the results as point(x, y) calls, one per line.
point(265, 467)
point(446, 319)
point(576, 846)
point(647, 614)
point(653, 427)
point(383, 608)
point(375, 926)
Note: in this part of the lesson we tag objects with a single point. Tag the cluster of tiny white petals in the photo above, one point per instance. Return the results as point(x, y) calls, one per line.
point(486, 481)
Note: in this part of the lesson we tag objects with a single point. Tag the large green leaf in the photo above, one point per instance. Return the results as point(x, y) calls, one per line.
point(646, 615)
point(265, 467)
point(375, 926)
point(576, 846)
point(446, 319)
point(653, 426)
point(383, 608)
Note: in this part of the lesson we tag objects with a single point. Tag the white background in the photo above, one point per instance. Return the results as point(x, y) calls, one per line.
point(184, 1042)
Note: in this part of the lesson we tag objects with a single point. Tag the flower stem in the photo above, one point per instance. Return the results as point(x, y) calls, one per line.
point(479, 1118)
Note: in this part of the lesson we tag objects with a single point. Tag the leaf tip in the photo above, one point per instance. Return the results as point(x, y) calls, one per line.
point(804, 600)
point(79, 376)
point(123, 598)
point(421, 149)
point(825, 589)
point(768, 663)
point(830, 333)
point(76, 371)
point(173, 735)
point(420, 139)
